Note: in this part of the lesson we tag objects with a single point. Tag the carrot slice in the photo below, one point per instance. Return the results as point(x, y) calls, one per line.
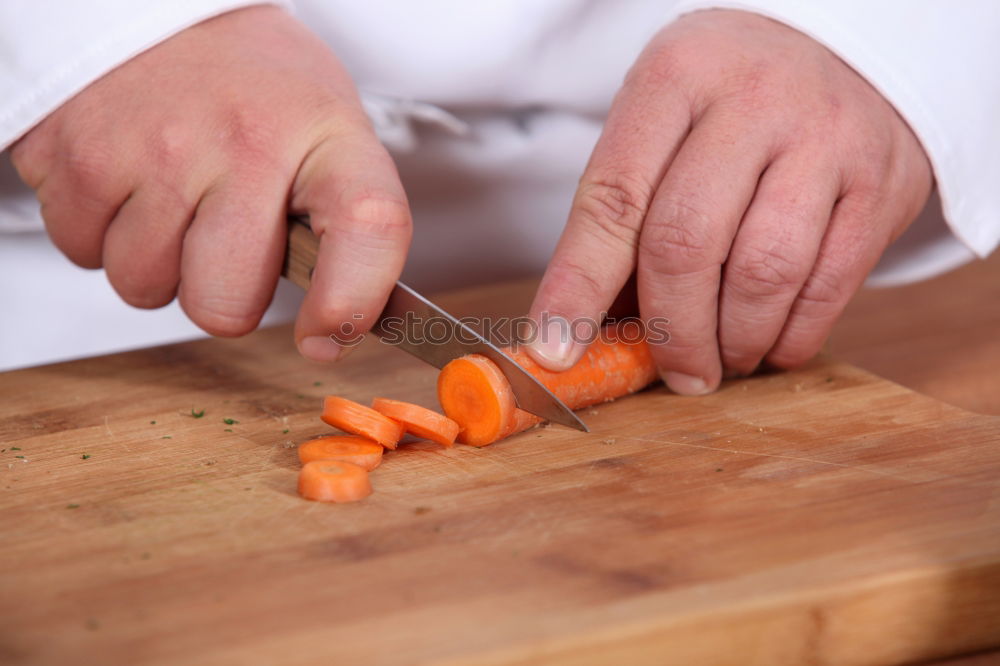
point(334, 481)
point(357, 419)
point(476, 395)
point(361, 451)
point(418, 420)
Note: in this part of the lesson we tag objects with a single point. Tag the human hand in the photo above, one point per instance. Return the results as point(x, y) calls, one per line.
point(175, 173)
point(751, 180)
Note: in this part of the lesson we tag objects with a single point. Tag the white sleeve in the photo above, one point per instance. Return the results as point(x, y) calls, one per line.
point(938, 64)
point(52, 49)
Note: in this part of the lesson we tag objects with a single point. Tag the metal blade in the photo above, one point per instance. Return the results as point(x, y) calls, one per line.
point(419, 327)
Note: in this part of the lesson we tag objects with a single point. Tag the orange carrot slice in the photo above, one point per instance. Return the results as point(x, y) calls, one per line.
point(334, 481)
point(357, 419)
point(418, 420)
point(476, 395)
point(361, 451)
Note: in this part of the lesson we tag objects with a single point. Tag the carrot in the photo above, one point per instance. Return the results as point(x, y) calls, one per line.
point(334, 481)
point(418, 420)
point(357, 419)
point(476, 395)
point(361, 451)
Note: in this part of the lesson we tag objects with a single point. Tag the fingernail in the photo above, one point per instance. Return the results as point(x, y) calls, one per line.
point(683, 384)
point(554, 347)
point(319, 348)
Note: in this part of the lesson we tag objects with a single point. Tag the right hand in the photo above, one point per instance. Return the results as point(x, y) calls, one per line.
point(175, 172)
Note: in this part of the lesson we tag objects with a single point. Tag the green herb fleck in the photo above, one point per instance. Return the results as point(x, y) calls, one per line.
point(166, 437)
point(317, 383)
point(21, 457)
point(152, 423)
point(229, 430)
point(72, 506)
point(230, 421)
point(285, 431)
point(299, 395)
point(197, 415)
point(15, 448)
point(85, 456)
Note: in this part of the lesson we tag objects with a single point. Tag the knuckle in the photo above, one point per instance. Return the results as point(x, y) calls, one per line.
point(224, 317)
point(615, 206)
point(758, 273)
point(568, 281)
point(379, 215)
point(90, 168)
point(823, 292)
point(680, 241)
point(752, 87)
point(171, 147)
point(250, 136)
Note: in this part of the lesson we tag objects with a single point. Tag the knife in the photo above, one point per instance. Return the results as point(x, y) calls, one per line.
point(408, 308)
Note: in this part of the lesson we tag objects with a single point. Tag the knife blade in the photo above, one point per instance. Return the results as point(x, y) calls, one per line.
point(407, 320)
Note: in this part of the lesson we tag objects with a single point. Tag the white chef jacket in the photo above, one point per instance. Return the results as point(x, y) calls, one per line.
point(491, 109)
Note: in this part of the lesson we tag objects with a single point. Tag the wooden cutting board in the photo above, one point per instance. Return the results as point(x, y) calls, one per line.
point(823, 516)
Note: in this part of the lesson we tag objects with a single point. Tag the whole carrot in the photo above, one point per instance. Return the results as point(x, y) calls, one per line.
point(476, 395)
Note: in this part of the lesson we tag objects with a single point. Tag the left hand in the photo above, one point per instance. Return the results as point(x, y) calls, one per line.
point(751, 180)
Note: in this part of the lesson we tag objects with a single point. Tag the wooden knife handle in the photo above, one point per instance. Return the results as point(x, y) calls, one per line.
point(300, 254)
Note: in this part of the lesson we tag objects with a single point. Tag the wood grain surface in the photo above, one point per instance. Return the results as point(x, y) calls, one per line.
point(821, 516)
point(940, 337)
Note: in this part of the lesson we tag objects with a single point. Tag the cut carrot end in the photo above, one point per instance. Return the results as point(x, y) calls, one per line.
point(360, 451)
point(475, 394)
point(355, 418)
point(419, 421)
point(334, 481)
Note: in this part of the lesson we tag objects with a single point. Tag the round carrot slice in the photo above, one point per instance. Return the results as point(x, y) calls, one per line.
point(334, 481)
point(418, 420)
point(354, 418)
point(475, 394)
point(361, 451)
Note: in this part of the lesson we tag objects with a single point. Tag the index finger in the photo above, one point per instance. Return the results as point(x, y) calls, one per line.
point(357, 207)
